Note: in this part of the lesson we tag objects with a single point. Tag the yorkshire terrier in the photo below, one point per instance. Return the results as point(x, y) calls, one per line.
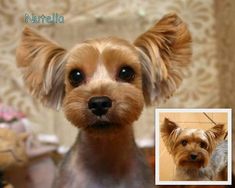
point(102, 86)
point(199, 155)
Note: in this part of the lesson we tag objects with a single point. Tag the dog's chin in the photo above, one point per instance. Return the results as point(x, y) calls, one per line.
point(192, 164)
point(102, 127)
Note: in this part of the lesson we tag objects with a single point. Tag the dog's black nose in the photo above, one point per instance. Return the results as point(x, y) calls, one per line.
point(99, 105)
point(193, 156)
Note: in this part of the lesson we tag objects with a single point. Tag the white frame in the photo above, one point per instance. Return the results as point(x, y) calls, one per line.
point(191, 110)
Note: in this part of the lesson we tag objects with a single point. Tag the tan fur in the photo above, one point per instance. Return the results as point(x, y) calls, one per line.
point(156, 58)
point(167, 46)
point(42, 64)
point(215, 134)
point(127, 106)
point(162, 52)
point(173, 136)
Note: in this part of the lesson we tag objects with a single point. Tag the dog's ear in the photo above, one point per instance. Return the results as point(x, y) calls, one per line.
point(42, 63)
point(164, 50)
point(216, 132)
point(214, 135)
point(168, 127)
point(169, 133)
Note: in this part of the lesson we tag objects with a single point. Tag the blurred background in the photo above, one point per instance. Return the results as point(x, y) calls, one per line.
point(209, 79)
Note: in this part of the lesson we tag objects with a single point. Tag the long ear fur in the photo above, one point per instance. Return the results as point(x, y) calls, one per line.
point(169, 132)
point(215, 134)
point(166, 49)
point(167, 127)
point(42, 63)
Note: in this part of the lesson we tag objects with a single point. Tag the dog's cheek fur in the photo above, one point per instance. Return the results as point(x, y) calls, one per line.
point(181, 154)
point(128, 102)
point(75, 107)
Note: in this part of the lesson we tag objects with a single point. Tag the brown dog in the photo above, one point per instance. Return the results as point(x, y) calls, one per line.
point(102, 86)
point(198, 154)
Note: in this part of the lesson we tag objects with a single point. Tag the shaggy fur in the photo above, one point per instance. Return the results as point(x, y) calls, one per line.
point(186, 143)
point(105, 153)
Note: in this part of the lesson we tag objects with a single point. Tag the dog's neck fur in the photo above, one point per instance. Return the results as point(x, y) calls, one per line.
point(190, 174)
point(104, 161)
point(113, 154)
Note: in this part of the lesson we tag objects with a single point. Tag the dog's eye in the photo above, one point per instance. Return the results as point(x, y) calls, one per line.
point(76, 77)
point(126, 74)
point(203, 145)
point(184, 142)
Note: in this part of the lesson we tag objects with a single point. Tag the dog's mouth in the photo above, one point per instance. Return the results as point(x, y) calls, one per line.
point(102, 126)
point(192, 163)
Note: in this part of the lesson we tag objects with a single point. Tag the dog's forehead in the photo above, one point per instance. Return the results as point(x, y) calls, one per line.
point(112, 52)
point(102, 45)
point(111, 43)
point(194, 133)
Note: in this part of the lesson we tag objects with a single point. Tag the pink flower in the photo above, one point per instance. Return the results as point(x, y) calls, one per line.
point(9, 114)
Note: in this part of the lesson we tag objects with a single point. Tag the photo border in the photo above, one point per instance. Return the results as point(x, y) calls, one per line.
point(191, 110)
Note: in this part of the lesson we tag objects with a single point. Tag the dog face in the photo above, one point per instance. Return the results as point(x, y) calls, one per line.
point(103, 84)
point(190, 148)
point(106, 81)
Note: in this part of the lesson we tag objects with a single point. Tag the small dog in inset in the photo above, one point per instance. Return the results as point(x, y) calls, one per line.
point(198, 154)
point(102, 86)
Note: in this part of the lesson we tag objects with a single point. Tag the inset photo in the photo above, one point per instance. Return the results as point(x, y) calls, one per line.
point(193, 146)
